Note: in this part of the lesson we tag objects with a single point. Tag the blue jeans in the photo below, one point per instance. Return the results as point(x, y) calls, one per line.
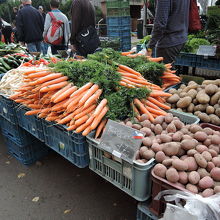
point(34, 47)
point(44, 48)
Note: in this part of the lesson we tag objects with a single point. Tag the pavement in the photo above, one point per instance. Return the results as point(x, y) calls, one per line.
point(54, 189)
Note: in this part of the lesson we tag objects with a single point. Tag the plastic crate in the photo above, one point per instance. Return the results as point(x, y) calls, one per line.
point(71, 146)
point(186, 59)
point(157, 207)
point(15, 132)
point(208, 63)
point(213, 127)
point(143, 212)
point(32, 124)
point(117, 3)
point(172, 87)
point(27, 154)
point(186, 118)
point(8, 110)
point(118, 21)
point(134, 179)
point(119, 33)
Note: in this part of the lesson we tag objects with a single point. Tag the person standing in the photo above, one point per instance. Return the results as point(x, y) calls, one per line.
point(170, 29)
point(83, 24)
point(6, 31)
point(30, 26)
point(41, 10)
point(56, 17)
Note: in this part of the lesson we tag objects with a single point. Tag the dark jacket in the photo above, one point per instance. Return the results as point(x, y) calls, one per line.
point(83, 16)
point(171, 23)
point(30, 25)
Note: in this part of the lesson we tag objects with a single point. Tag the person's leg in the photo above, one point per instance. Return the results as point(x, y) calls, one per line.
point(170, 53)
point(53, 50)
point(38, 46)
point(31, 47)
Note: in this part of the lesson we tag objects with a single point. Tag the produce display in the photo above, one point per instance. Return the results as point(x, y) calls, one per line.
point(201, 100)
point(6, 49)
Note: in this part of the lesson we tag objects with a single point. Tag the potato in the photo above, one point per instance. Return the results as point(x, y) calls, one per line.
point(168, 118)
point(184, 131)
point(192, 188)
point(210, 110)
point(215, 139)
point(217, 189)
point(129, 124)
point(206, 182)
point(207, 192)
point(167, 162)
point(156, 147)
point(158, 129)
point(178, 124)
point(188, 144)
point(191, 152)
point(165, 138)
point(177, 136)
point(211, 89)
point(186, 136)
point(183, 86)
point(148, 154)
point(172, 91)
point(172, 175)
point(164, 125)
point(213, 152)
point(201, 148)
point(214, 99)
point(146, 124)
point(217, 112)
point(160, 156)
point(142, 150)
point(152, 127)
point(184, 102)
point(194, 177)
point(208, 131)
point(192, 93)
point(146, 131)
point(203, 172)
point(181, 152)
point(136, 126)
point(200, 136)
point(190, 108)
point(196, 113)
point(200, 160)
point(207, 82)
point(214, 147)
point(207, 155)
point(195, 102)
point(183, 157)
point(183, 177)
point(210, 166)
point(144, 117)
point(179, 109)
point(180, 165)
point(204, 117)
point(171, 148)
point(192, 165)
point(182, 94)
point(216, 161)
point(147, 142)
point(173, 99)
point(214, 119)
point(215, 173)
point(202, 97)
point(216, 106)
point(171, 128)
point(159, 120)
point(160, 170)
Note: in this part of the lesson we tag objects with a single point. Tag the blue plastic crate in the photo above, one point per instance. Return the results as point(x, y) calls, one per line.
point(70, 145)
point(118, 21)
point(32, 124)
point(126, 47)
point(186, 59)
point(208, 63)
point(143, 213)
point(26, 154)
point(8, 110)
point(119, 33)
point(15, 132)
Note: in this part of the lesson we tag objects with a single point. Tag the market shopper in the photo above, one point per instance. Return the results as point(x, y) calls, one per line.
point(59, 18)
point(30, 26)
point(84, 38)
point(6, 31)
point(170, 29)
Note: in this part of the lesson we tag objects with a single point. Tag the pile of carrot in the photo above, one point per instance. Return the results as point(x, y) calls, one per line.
point(169, 77)
point(51, 96)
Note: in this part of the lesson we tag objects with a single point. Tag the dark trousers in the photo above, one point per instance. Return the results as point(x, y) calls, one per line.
point(7, 34)
point(169, 54)
point(55, 48)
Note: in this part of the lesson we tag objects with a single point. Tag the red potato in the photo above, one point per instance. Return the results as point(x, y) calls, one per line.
point(214, 147)
point(207, 192)
point(171, 128)
point(215, 173)
point(180, 165)
point(186, 136)
point(207, 155)
point(201, 148)
point(191, 152)
point(183, 177)
point(160, 156)
point(200, 136)
point(215, 139)
point(160, 170)
point(194, 177)
point(142, 150)
point(200, 160)
point(149, 154)
point(168, 118)
point(207, 142)
point(210, 166)
point(146, 124)
point(195, 128)
point(171, 149)
point(159, 120)
point(172, 175)
point(156, 147)
point(203, 172)
point(158, 129)
point(188, 144)
point(216, 161)
point(183, 157)
point(177, 136)
point(178, 124)
point(147, 142)
point(217, 189)
point(129, 124)
point(213, 152)
point(208, 131)
point(192, 188)
point(206, 182)
point(165, 138)
point(192, 165)
point(181, 152)
point(167, 162)
point(143, 117)
point(146, 131)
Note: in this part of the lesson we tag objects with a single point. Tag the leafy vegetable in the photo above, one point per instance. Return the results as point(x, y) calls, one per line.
point(145, 40)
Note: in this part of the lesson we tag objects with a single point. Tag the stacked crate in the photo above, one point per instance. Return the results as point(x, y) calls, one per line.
point(119, 22)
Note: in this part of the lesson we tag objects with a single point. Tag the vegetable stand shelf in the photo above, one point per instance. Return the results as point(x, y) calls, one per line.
point(70, 145)
point(134, 179)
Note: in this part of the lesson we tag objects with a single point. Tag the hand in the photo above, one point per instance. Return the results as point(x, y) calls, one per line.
point(149, 52)
point(73, 48)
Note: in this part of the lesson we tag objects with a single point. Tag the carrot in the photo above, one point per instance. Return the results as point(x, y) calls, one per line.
point(34, 106)
point(100, 128)
point(156, 59)
point(142, 108)
point(128, 69)
point(59, 106)
point(39, 74)
point(86, 131)
point(42, 115)
point(54, 81)
point(126, 53)
point(74, 102)
point(90, 120)
point(130, 75)
point(71, 127)
point(126, 84)
point(32, 71)
point(84, 112)
point(19, 100)
point(77, 111)
point(156, 102)
point(93, 98)
point(137, 113)
point(53, 87)
point(81, 128)
point(47, 78)
point(82, 89)
point(32, 112)
point(81, 120)
point(51, 118)
point(15, 96)
point(46, 110)
point(88, 94)
point(65, 94)
point(155, 111)
point(160, 93)
point(99, 108)
point(99, 117)
point(66, 119)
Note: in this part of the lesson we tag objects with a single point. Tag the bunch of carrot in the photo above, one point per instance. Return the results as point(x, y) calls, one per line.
point(51, 96)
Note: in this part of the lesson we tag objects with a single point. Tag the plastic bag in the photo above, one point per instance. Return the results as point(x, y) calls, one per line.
point(196, 205)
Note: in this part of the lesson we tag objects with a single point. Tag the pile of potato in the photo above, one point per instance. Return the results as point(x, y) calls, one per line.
point(186, 154)
point(201, 100)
